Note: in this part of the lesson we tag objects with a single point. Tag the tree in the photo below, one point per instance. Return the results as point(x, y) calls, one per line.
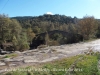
point(58, 37)
point(87, 27)
point(11, 31)
point(30, 35)
point(98, 30)
point(4, 28)
point(15, 28)
point(72, 28)
point(15, 33)
point(51, 27)
point(22, 42)
point(36, 29)
point(47, 39)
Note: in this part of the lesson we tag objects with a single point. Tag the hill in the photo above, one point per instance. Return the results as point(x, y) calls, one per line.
point(44, 23)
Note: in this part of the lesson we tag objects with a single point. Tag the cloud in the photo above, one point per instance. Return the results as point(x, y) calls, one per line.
point(50, 13)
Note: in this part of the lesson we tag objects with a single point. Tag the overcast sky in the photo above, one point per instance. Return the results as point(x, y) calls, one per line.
point(78, 8)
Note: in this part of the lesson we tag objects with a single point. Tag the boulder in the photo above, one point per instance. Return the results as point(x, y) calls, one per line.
point(2, 64)
point(12, 64)
point(7, 60)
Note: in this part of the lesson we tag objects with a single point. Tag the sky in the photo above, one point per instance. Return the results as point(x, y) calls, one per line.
point(78, 8)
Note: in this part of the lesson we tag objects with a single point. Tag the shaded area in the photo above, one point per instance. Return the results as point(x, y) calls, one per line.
point(60, 37)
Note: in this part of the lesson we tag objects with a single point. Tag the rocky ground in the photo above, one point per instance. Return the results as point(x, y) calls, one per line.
point(41, 55)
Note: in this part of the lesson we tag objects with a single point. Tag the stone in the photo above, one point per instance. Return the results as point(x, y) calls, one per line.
point(49, 59)
point(2, 64)
point(8, 60)
point(12, 64)
point(29, 61)
point(18, 52)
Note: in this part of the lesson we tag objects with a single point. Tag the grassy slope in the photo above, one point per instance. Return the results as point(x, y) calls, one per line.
point(86, 66)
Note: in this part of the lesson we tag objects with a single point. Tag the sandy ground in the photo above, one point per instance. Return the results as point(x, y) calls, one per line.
point(47, 54)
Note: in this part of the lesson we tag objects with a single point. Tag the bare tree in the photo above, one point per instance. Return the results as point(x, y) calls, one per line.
point(87, 27)
point(47, 39)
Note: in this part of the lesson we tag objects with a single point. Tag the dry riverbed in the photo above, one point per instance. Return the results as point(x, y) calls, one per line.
point(37, 56)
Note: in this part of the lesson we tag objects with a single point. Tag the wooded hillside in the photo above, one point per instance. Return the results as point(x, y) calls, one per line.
point(22, 31)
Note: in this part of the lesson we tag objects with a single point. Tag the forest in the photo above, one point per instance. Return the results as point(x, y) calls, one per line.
point(27, 32)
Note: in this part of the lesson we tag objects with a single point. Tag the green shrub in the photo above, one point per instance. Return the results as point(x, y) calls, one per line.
point(53, 43)
point(24, 47)
point(42, 46)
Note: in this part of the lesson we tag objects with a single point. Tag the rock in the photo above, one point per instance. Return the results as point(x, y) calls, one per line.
point(49, 59)
point(18, 52)
point(18, 59)
point(8, 60)
point(1, 71)
point(3, 52)
point(2, 56)
point(12, 64)
point(12, 60)
point(50, 51)
point(42, 51)
point(29, 61)
point(2, 64)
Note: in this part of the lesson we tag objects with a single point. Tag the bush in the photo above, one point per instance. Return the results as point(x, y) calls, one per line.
point(42, 46)
point(24, 47)
point(53, 43)
point(9, 73)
